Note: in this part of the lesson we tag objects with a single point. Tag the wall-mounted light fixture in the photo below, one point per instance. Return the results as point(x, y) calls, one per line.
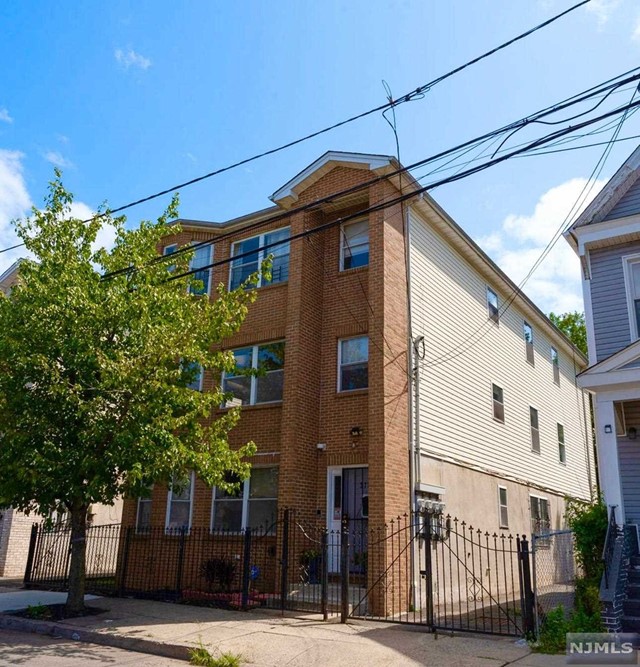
point(356, 431)
point(321, 446)
point(632, 433)
point(607, 428)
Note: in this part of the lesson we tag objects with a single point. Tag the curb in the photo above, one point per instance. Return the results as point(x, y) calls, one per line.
point(149, 646)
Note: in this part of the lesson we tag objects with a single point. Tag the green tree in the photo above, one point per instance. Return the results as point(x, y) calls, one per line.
point(574, 327)
point(94, 396)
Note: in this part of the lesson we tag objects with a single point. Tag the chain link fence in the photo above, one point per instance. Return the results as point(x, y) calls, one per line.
point(554, 573)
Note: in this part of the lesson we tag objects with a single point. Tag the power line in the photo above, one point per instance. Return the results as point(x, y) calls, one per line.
point(605, 87)
point(414, 193)
point(407, 97)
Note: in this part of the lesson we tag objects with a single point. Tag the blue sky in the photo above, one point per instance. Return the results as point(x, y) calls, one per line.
point(131, 97)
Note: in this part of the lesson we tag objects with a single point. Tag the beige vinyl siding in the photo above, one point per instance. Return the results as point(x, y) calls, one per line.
point(456, 415)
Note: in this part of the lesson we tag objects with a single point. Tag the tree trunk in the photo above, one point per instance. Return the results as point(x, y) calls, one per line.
point(77, 567)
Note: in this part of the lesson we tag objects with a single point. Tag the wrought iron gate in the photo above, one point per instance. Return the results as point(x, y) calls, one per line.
point(441, 572)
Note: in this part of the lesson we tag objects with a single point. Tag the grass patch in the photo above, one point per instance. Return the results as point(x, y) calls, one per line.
point(201, 656)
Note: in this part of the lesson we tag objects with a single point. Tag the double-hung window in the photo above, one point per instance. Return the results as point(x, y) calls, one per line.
point(179, 504)
point(632, 279)
point(250, 254)
point(498, 403)
point(555, 362)
point(201, 258)
point(492, 305)
point(562, 450)
point(252, 505)
point(535, 430)
point(143, 513)
point(249, 387)
point(354, 244)
point(540, 521)
point(353, 363)
point(527, 331)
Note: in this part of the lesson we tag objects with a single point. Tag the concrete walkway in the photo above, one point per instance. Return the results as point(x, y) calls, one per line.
point(268, 639)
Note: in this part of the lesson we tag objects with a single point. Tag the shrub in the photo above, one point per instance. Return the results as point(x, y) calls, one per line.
point(201, 656)
point(218, 571)
point(553, 632)
point(588, 521)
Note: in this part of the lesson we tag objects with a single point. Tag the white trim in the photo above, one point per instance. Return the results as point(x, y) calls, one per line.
point(495, 319)
point(169, 498)
point(564, 443)
point(340, 390)
point(627, 262)
point(500, 506)
point(343, 238)
point(533, 451)
point(605, 231)
point(166, 248)
point(209, 270)
point(138, 529)
point(288, 190)
point(493, 412)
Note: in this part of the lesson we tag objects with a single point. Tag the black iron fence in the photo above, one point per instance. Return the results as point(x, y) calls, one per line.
point(421, 568)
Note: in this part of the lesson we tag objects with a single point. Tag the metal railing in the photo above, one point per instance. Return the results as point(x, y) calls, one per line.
point(609, 544)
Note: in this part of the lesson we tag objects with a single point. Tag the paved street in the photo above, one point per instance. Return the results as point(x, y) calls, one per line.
point(18, 648)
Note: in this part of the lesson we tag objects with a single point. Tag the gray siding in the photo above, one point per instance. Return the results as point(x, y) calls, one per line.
point(628, 205)
point(629, 460)
point(609, 299)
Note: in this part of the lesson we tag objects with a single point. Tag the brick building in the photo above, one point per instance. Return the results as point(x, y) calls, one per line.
point(394, 374)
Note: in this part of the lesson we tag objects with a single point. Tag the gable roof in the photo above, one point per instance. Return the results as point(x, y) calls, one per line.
point(608, 204)
point(621, 368)
point(10, 275)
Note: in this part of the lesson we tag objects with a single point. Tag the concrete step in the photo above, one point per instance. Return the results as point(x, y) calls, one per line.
point(630, 623)
point(632, 607)
point(633, 591)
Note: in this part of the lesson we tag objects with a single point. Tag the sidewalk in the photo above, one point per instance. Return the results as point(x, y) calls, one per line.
point(267, 639)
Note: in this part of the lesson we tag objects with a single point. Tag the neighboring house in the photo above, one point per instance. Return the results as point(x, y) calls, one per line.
point(606, 237)
point(499, 433)
point(15, 527)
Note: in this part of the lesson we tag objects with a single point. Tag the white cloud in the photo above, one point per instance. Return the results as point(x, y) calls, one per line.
point(57, 159)
point(4, 115)
point(129, 58)
point(516, 246)
point(106, 234)
point(602, 9)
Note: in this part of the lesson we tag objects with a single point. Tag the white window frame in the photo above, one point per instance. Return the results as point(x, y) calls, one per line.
point(246, 490)
point(253, 389)
point(493, 404)
point(201, 379)
point(343, 243)
point(533, 495)
point(531, 429)
point(209, 270)
point(529, 348)
point(169, 500)
point(165, 250)
point(562, 444)
point(502, 524)
point(261, 255)
point(340, 341)
point(627, 261)
point(141, 499)
point(555, 362)
point(495, 317)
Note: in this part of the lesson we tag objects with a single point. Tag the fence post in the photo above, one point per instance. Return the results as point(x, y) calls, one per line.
point(125, 561)
point(32, 552)
point(284, 574)
point(526, 591)
point(324, 574)
point(183, 532)
point(428, 568)
point(246, 569)
point(344, 569)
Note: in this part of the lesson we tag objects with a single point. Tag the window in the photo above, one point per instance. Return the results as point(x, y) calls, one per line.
point(253, 251)
point(540, 522)
point(248, 389)
point(535, 430)
point(492, 305)
point(632, 279)
point(502, 507)
point(528, 339)
point(201, 257)
point(253, 505)
point(353, 363)
point(562, 451)
point(179, 501)
point(354, 246)
point(170, 249)
point(555, 362)
point(143, 514)
point(498, 403)
point(193, 374)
